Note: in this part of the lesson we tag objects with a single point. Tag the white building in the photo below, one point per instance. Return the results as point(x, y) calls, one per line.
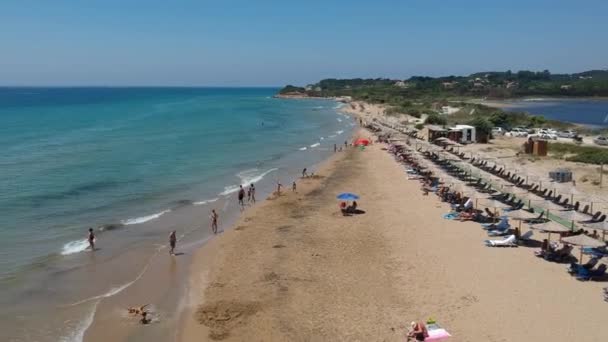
point(464, 134)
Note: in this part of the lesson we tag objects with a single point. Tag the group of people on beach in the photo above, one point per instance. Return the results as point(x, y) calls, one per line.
point(250, 195)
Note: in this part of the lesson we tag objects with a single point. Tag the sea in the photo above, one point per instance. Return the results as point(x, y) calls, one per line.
point(586, 111)
point(133, 164)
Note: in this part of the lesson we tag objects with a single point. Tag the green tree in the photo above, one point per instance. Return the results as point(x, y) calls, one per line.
point(437, 119)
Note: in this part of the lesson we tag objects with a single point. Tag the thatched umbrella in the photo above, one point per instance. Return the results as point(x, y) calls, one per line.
point(571, 215)
point(520, 215)
point(550, 227)
point(583, 240)
point(603, 226)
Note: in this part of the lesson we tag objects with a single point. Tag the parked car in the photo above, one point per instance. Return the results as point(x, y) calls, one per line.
point(601, 140)
point(498, 131)
point(546, 134)
point(519, 132)
point(566, 134)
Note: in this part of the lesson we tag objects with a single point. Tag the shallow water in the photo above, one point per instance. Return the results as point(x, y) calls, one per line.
point(133, 163)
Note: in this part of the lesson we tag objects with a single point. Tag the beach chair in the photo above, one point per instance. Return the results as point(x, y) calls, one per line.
point(506, 242)
point(573, 268)
point(585, 209)
point(543, 193)
point(564, 203)
point(576, 206)
point(594, 218)
point(549, 195)
point(601, 219)
point(585, 274)
point(526, 238)
point(561, 254)
point(538, 219)
point(557, 199)
point(502, 224)
point(499, 232)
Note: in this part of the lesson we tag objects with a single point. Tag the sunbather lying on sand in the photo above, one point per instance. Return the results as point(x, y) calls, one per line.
point(137, 310)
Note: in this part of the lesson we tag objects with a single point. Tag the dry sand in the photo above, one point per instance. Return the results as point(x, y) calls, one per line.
point(295, 269)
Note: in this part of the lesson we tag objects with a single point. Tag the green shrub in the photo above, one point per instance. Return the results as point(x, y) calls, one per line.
point(436, 119)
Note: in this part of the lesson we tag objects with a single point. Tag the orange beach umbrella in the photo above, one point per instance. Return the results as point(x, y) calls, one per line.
point(361, 141)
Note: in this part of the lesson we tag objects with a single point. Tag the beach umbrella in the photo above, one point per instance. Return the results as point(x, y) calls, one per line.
point(550, 227)
point(361, 142)
point(603, 226)
point(347, 196)
point(520, 215)
point(571, 215)
point(583, 240)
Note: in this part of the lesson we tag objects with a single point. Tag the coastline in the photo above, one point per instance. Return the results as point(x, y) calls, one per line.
point(294, 268)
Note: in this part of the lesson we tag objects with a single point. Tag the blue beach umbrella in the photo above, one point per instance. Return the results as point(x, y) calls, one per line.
point(347, 196)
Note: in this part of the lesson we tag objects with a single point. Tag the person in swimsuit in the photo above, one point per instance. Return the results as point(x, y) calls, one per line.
point(335, 148)
point(304, 173)
point(91, 239)
point(241, 197)
point(279, 185)
point(252, 189)
point(249, 195)
point(293, 186)
point(418, 332)
point(172, 242)
point(214, 217)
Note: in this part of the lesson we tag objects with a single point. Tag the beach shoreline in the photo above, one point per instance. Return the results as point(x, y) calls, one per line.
point(294, 268)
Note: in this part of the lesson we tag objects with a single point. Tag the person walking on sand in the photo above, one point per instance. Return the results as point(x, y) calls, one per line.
point(304, 173)
point(335, 148)
point(214, 218)
point(293, 186)
point(252, 190)
point(172, 242)
point(241, 197)
point(91, 239)
point(279, 185)
point(345, 144)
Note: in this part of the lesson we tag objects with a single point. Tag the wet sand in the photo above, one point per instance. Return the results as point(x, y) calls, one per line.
point(295, 269)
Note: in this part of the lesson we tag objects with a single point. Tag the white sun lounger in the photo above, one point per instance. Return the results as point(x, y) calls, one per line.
point(507, 242)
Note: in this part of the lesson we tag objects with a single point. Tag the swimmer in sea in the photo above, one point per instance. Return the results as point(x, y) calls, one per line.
point(91, 239)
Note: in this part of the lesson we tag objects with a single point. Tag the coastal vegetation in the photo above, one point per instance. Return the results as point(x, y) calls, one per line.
point(420, 95)
point(579, 153)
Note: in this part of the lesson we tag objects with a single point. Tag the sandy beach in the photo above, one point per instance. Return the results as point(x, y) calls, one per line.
point(295, 269)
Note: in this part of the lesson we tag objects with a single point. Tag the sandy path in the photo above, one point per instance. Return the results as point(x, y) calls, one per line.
point(296, 270)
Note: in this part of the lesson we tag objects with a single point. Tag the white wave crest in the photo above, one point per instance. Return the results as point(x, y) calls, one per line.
point(332, 136)
point(75, 247)
point(315, 145)
point(206, 201)
point(253, 176)
point(339, 132)
point(303, 148)
point(143, 219)
point(339, 120)
point(229, 190)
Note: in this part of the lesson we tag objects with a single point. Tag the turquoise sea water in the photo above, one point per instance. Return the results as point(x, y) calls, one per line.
point(120, 159)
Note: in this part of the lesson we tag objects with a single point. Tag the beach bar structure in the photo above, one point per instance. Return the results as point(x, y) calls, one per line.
point(435, 132)
point(463, 134)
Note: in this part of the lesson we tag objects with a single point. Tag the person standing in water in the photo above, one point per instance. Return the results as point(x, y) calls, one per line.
point(335, 148)
point(252, 190)
point(91, 239)
point(214, 218)
point(304, 173)
point(172, 242)
point(279, 185)
point(249, 195)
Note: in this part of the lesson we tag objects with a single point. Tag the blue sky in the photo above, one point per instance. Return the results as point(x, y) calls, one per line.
point(257, 42)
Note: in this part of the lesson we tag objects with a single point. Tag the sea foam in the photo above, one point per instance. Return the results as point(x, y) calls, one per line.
point(206, 201)
point(75, 247)
point(144, 219)
point(315, 145)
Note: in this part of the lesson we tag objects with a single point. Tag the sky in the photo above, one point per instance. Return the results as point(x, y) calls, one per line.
point(273, 43)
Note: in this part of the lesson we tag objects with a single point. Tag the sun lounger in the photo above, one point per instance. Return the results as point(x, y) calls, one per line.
point(585, 274)
point(506, 242)
point(502, 224)
point(574, 267)
point(561, 254)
